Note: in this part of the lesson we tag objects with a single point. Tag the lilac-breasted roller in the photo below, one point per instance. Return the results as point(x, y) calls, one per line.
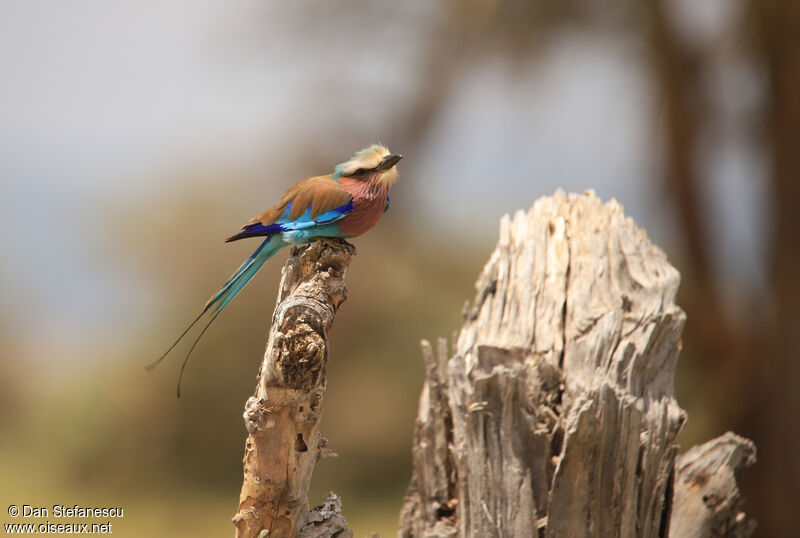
point(346, 203)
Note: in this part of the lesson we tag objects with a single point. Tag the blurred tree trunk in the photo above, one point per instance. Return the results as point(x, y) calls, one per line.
point(773, 419)
point(756, 365)
point(679, 71)
point(554, 415)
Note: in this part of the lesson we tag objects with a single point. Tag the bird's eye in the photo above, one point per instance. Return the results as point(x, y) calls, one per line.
point(359, 172)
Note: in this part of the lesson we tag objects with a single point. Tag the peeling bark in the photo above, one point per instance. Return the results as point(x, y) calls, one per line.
point(554, 415)
point(282, 417)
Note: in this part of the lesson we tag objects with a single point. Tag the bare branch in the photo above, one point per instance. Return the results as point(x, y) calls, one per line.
point(282, 417)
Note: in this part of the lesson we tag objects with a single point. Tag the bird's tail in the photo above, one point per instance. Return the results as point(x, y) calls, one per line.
point(244, 273)
point(225, 295)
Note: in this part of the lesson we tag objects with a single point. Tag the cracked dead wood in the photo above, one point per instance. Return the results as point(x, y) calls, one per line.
point(707, 500)
point(554, 413)
point(282, 417)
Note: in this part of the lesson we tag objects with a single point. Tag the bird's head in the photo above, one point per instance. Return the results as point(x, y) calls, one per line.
point(374, 163)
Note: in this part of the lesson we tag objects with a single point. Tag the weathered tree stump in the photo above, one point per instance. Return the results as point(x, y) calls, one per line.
point(554, 414)
point(282, 417)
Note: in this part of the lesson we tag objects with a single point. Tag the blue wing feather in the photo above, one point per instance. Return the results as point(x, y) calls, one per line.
point(286, 224)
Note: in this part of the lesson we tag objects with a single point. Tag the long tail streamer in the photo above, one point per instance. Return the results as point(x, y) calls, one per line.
point(224, 296)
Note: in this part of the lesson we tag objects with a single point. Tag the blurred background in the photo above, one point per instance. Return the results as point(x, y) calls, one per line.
point(136, 136)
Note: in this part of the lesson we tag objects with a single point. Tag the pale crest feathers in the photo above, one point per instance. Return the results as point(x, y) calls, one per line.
point(368, 158)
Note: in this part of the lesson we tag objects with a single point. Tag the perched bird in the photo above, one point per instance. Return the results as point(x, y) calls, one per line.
point(346, 203)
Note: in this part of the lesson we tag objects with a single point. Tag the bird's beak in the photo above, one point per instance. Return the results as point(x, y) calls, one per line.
point(388, 162)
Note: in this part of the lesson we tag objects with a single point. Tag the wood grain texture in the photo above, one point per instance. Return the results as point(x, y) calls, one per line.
point(283, 416)
point(554, 413)
point(707, 500)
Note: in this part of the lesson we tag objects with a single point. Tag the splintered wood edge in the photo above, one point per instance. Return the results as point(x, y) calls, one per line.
point(573, 284)
point(707, 500)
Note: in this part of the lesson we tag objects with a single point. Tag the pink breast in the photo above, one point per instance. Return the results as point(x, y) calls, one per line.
point(369, 206)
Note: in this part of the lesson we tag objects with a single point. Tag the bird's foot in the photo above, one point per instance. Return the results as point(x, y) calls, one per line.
point(337, 242)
